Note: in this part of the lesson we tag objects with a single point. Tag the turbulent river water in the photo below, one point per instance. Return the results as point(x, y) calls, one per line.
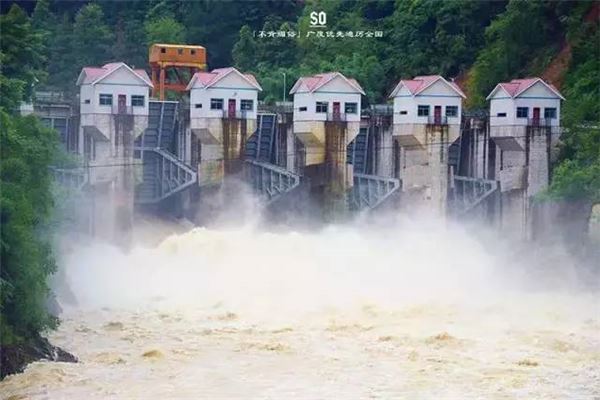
point(413, 311)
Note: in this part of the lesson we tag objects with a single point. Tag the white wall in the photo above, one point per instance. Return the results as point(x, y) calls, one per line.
point(337, 90)
point(438, 94)
point(536, 96)
point(120, 82)
point(97, 120)
point(86, 92)
point(232, 86)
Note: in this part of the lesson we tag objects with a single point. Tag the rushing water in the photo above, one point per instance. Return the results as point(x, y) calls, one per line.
point(416, 311)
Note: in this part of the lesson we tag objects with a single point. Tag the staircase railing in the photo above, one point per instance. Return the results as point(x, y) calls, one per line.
point(269, 180)
point(467, 193)
point(370, 191)
point(72, 178)
point(172, 176)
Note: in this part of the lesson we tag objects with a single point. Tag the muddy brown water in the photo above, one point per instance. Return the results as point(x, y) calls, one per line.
point(336, 314)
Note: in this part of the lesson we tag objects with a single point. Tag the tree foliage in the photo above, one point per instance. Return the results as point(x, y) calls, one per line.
point(92, 38)
point(577, 176)
point(244, 51)
point(21, 58)
point(27, 149)
point(164, 30)
point(519, 42)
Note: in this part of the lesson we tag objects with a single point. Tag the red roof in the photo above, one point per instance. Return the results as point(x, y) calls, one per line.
point(517, 86)
point(93, 74)
point(316, 81)
point(420, 83)
point(208, 79)
point(312, 82)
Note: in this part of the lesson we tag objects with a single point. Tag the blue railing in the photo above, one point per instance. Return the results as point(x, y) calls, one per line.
point(171, 176)
point(268, 180)
point(468, 193)
point(370, 191)
point(72, 178)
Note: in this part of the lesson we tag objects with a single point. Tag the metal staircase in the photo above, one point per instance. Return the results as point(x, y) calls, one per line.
point(259, 146)
point(357, 151)
point(163, 173)
point(468, 193)
point(370, 191)
point(269, 180)
point(162, 125)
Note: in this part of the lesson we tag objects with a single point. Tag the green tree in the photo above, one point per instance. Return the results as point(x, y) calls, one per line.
point(92, 38)
point(158, 9)
point(437, 37)
point(245, 49)
point(129, 34)
point(26, 150)
point(164, 30)
point(61, 60)
point(21, 57)
point(278, 51)
point(577, 176)
point(126, 20)
point(520, 41)
point(42, 19)
point(216, 24)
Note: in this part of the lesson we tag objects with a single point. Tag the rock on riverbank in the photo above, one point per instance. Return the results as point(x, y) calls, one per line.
point(14, 358)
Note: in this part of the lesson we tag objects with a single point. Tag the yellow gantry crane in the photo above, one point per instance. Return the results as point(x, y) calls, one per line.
point(173, 65)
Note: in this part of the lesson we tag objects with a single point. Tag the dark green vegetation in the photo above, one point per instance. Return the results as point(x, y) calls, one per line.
point(577, 177)
point(26, 202)
point(478, 42)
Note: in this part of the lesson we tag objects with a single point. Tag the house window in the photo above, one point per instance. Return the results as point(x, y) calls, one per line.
point(423, 111)
point(246, 105)
point(137, 101)
point(87, 101)
point(106, 99)
point(302, 109)
point(193, 51)
point(501, 115)
point(403, 112)
point(198, 105)
point(451, 111)
point(522, 112)
point(351, 108)
point(321, 107)
point(163, 50)
point(216, 104)
point(550, 113)
point(180, 51)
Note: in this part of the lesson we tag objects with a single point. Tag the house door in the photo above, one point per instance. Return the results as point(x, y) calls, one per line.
point(437, 115)
point(231, 108)
point(336, 111)
point(536, 116)
point(122, 101)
